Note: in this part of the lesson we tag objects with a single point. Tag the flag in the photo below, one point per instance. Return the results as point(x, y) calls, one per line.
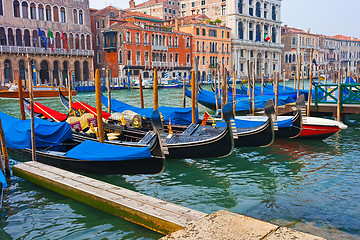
point(34, 73)
point(65, 42)
point(314, 62)
point(43, 38)
point(205, 118)
point(51, 36)
point(267, 38)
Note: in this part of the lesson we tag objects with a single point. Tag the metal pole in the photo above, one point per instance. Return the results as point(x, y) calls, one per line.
point(310, 83)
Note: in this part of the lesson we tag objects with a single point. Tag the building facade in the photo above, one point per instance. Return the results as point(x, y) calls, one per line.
point(300, 43)
point(164, 9)
point(132, 43)
point(21, 42)
point(211, 43)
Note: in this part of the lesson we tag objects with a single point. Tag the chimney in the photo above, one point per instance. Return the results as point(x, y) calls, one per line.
point(308, 30)
point(176, 25)
point(132, 4)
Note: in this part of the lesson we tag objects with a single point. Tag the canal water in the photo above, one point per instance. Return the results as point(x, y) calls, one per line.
point(311, 186)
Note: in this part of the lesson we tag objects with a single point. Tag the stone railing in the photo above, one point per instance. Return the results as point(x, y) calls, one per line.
point(39, 50)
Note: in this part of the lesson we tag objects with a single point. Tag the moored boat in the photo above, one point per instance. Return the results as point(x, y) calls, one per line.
point(320, 128)
point(39, 92)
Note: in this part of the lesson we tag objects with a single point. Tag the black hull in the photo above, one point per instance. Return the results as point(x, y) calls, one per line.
point(151, 165)
point(219, 146)
point(262, 136)
point(291, 132)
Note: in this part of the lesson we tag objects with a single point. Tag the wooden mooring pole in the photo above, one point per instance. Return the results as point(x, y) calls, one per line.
point(276, 86)
point(234, 89)
point(248, 90)
point(109, 91)
point(262, 83)
point(4, 152)
point(141, 92)
point(193, 98)
point(33, 145)
point(21, 102)
point(155, 89)
point(98, 106)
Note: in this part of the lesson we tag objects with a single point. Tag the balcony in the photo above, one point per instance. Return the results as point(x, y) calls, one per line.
point(110, 47)
point(138, 63)
point(155, 64)
point(147, 64)
point(40, 50)
point(159, 48)
point(163, 64)
point(171, 64)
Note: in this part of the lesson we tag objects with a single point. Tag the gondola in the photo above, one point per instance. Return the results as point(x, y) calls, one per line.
point(197, 141)
point(55, 147)
point(250, 133)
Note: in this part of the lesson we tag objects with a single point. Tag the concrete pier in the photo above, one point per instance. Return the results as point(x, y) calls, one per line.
point(157, 215)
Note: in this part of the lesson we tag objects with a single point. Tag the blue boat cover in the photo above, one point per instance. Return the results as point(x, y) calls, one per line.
point(2, 180)
point(207, 98)
point(95, 151)
point(242, 123)
point(18, 133)
point(178, 116)
point(350, 80)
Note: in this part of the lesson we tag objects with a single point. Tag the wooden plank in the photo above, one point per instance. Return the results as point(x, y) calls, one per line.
point(152, 213)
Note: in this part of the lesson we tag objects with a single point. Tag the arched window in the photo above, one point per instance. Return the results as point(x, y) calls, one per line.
point(35, 39)
point(88, 42)
point(188, 58)
point(16, 8)
point(48, 13)
point(75, 17)
point(27, 38)
point(81, 17)
point(56, 13)
point(273, 13)
point(176, 43)
point(120, 57)
point(3, 36)
point(22, 69)
point(146, 38)
point(32, 11)
point(18, 37)
point(240, 31)
point(77, 41)
point(62, 15)
point(164, 58)
point(25, 10)
point(82, 42)
point(146, 56)
point(286, 58)
point(98, 57)
point(128, 38)
point(197, 46)
point(164, 40)
point(227, 48)
point(98, 39)
point(257, 10)
point(170, 41)
point(71, 41)
point(128, 57)
point(294, 58)
point(258, 34)
point(188, 42)
point(203, 46)
point(65, 36)
point(85, 71)
point(57, 40)
point(240, 6)
point(160, 41)
point(41, 12)
point(222, 48)
point(138, 57)
point(273, 35)
point(11, 38)
point(137, 38)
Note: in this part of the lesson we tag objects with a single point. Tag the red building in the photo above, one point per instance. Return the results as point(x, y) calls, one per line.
point(140, 43)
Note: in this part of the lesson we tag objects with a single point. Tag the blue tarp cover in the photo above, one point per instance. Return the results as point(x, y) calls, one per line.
point(18, 133)
point(95, 151)
point(2, 180)
point(242, 123)
point(178, 116)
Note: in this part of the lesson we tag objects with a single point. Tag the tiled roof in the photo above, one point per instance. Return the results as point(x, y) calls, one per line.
point(106, 11)
point(127, 14)
point(149, 2)
point(124, 24)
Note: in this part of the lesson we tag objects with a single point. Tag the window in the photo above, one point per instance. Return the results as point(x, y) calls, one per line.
point(170, 41)
point(165, 10)
point(18, 37)
point(88, 42)
point(57, 40)
point(146, 39)
point(32, 11)
point(138, 57)
point(257, 10)
point(240, 6)
point(203, 47)
point(228, 34)
point(169, 10)
point(146, 56)
point(120, 57)
point(222, 34)
point(193, 4)
point(183, 6)
point(128, 38)
point(187, 42)
point(24, 7)
point(203, 32)
point(98, 58)
point(48, 13)
point(197, 31)
point(81, 17)
point(75, 16)
point(62, 15)
point(82, 42)
point(293, 40)
point(137, 38)
point(56, 13)
point(188, 58)
point(258, 37)
point(1, 8)
point(98, 39)
point(71, 40)
point(223, 10)
point(273, 13)
point(16, 7)
point(111, 14)
point(176, 57)
point(129, 56)
point(197, 46)
point(176, 42)
point(27, 38)
point(77, 41)
point(202, 2)
point(97, 25)
point(3, 36)
point(35, 39)
point(251, 35)
point(240, 31)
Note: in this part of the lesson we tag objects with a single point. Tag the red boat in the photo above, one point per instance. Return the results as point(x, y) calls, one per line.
point(320, 128)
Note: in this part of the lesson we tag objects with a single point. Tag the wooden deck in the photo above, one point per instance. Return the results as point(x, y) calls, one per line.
point(157, 215)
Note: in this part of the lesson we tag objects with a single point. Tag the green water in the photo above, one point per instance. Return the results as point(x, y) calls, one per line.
point(312, 186)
